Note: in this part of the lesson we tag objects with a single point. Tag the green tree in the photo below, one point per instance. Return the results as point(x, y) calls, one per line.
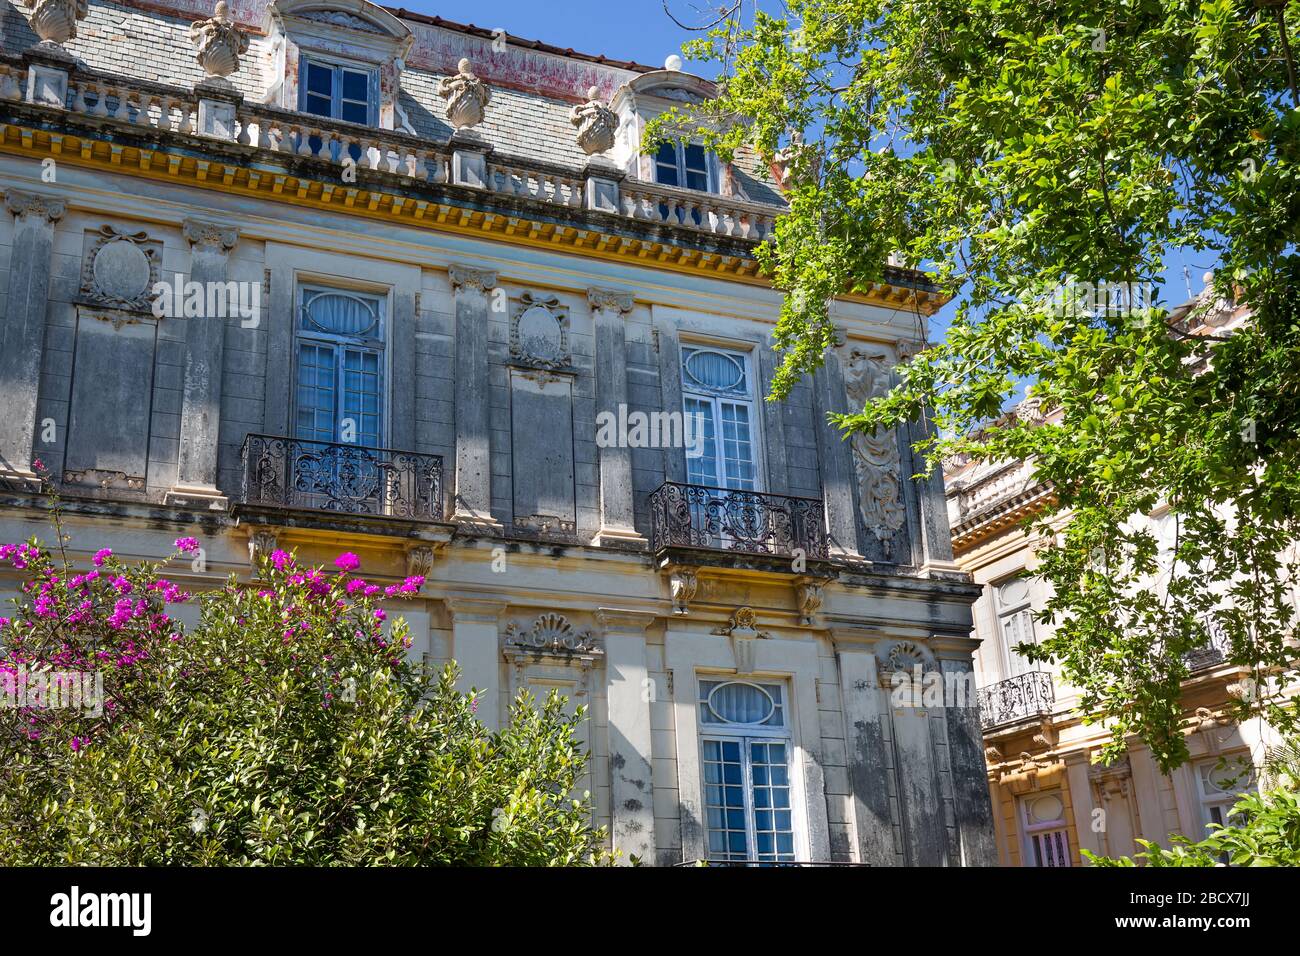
point(287, 728)
point(1021, 153)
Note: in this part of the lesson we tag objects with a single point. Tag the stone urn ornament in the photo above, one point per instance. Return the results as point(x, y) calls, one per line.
point(218, 42)
point(55, 21)
point(597, 124)
point(467, 97)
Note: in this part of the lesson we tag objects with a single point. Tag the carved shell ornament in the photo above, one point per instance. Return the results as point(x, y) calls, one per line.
point(55, 21)
point(467, 96)
point(218, 42)
point(597, 124)
point(551, 632)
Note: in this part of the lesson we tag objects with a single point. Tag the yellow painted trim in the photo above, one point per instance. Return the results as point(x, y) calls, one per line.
point(438, 216)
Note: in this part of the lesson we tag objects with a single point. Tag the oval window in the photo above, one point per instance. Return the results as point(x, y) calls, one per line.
point(338, 313)
point(715, 371)
point(736, 702)
point(1046, 809)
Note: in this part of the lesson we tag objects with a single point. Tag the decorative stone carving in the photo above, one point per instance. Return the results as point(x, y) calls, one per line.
point(55, 21)
point(539, 332)
point(105, 479)
point(419, 561)
point(875, 454)
point(260, 546)
point(120, 271)
point(901, 656)
point(809, 596)
point(684, 584)
point(744, 633)
point(34, 205)
point(219, 42)
point(468, 277)
point(340, 18)
point(467, 96)
point(597, 124)
point(793, 158)
point(553, 633)
point(547, 526)
point(610, 300)
point(199, 233)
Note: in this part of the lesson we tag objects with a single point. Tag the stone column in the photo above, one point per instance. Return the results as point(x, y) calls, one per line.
point(668, 345)
point(631, 784)
point(609, 309)
point(196, 467)
point(868, 752)
point(835, 458)
point(22, 338)
point(473, 491)
point(972, 809)
point(475, 646)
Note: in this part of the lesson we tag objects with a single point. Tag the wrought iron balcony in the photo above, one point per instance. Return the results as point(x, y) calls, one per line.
point(297, 474)
point(745, 522)
point(1215, 652)
point(1008, 701)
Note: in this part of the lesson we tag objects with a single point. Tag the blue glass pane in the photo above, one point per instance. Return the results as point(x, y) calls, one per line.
point(355, 85)
point(355, 112)
point(320, 79)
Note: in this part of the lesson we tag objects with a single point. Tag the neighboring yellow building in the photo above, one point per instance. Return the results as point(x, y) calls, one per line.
point(1050, 798)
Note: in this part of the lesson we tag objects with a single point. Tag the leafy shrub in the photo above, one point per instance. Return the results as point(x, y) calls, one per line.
point(287, 728)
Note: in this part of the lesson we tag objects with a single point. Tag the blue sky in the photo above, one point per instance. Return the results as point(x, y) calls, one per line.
point(623, 29)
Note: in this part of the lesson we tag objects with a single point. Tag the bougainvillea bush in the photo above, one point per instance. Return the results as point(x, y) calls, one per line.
point(287, 728)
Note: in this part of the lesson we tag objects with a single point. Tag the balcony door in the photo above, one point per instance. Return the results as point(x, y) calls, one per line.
point(718, 401)
point(339, 400)
point(1015, 623)
point(718, 394)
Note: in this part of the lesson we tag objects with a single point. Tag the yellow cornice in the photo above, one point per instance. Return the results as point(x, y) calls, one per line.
point(373, 201)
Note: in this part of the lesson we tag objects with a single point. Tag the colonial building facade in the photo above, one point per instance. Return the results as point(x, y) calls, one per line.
point(1050, 796)
point(318, 275)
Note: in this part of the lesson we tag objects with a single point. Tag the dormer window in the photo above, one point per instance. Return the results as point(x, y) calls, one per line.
point(341, 59)
point(683, 164)
point(339, 92)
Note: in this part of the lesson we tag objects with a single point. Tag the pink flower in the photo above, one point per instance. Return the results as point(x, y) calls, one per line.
point(100, 556)
point(77, 743)
point(281, 559)
point(188, 545)
point(355, 585)
point(347, 561)
point(379, 614)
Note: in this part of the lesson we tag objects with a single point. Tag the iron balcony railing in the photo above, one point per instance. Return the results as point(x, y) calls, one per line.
point(747, 522)
point(302, 475)
point(1215, 652)
point(1011, 700)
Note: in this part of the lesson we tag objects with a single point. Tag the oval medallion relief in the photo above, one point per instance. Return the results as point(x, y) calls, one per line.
point(121, 270)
